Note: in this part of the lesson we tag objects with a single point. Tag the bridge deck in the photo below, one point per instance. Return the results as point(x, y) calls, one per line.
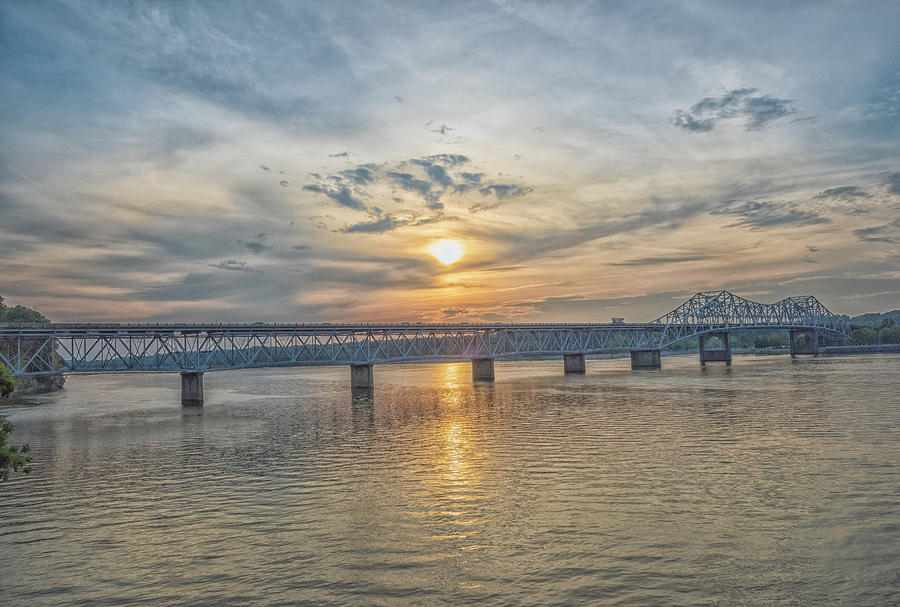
point(42, 349)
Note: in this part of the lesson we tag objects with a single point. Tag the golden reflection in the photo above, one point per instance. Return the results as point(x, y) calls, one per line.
point(449, 377)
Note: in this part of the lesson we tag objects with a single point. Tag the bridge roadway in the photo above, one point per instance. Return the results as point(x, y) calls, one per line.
point(193, 349)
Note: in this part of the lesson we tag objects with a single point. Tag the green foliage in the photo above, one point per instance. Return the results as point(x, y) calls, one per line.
point(7, 381)
point(772, 340)
point(12, 458)
point(863, 336)
point(21, 314)
point(889, 334)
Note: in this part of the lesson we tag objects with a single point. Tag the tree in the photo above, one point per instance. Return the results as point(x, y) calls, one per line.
point(889, 334)
point(863, 336)
point(21, 314)
point(12, 458)
point(7, 381)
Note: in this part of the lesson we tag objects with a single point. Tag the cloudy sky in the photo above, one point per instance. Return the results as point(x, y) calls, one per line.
point(294, 161)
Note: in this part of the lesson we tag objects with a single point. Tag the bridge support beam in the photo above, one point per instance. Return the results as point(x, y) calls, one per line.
point(812, 345)
point(192, 389)
point(645, 359)
point(722, 355)
point(362, 378)
point(573, 364)
point(482, 370)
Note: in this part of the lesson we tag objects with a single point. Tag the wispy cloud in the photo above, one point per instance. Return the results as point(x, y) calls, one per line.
point(654, 261)
point(889, 233)
point(893, 183)
point(755, 111)
point(764, 215)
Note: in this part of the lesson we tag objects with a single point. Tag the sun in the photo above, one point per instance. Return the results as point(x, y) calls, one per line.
point(446, 251)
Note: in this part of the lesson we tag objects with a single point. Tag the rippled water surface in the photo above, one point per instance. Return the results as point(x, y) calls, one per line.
point(772, 483)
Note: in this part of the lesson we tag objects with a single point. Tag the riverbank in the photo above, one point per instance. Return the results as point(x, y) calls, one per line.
point(871, 349)
point(29, 386)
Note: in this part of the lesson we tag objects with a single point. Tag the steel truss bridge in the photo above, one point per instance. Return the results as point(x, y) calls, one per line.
point(52, 349)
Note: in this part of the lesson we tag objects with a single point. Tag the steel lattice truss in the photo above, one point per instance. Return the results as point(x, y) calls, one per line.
point(113, 348)
point(715, 310)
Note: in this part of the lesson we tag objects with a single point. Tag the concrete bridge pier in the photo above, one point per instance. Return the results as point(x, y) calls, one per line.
point(645, 359)
point(191, 389)
point(362, 379)
point(723, 355)
point(812, 345)
point(573, 364)
point(482, 370)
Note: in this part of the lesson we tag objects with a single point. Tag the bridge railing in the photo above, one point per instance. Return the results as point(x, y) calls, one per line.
point(98, 348)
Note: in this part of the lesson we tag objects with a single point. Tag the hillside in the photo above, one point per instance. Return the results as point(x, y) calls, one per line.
point(874, 319)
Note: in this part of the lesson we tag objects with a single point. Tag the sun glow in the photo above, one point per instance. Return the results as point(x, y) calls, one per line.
point(446, 251)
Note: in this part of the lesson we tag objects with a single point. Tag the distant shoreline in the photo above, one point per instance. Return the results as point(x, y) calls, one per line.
point(870, 349)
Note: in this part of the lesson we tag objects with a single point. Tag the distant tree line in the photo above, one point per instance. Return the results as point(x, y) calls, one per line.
point(739, 339)
point(887, 333)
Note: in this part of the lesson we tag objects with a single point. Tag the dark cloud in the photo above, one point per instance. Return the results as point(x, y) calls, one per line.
point(233, 265)
point(755, 111)
point(438, 175)
point(340, 155)
point(652, 261)
point(893, 183)
point(846, 193)
point(341, 195)
point(411, 183)
point(763, 215)
point(889, 233)
point(378, 226)
point(452, 312)
point(364, 174)
point(429, 178)
point(504, 190)
point(254, 246)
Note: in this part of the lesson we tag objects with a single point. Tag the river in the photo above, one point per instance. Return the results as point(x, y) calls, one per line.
point(774, 482)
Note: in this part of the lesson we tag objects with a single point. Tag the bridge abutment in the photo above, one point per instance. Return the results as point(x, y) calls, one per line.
point(718, 355)
point(573, 364)
point(646, 359)
point(482, 370)
point(810, 347)
point(191, 389)
point(362, 378)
